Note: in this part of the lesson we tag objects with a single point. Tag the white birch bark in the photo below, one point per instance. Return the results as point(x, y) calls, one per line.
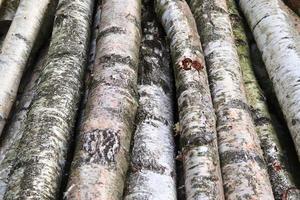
point(41, 154)
point(243, 168)
point(16, 50)
point(102, 151)
point(153, 153)
point(197, 123)
point(280, 178)
point(279, 42)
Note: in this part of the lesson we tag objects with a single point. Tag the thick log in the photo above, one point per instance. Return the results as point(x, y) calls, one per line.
point(280, 178)
point(17, 48)
point(102, 150)
point(10, 142)
point(197, 121)
point(243, 168)
point(43, 148)
point(153, 153)
point(278, 40)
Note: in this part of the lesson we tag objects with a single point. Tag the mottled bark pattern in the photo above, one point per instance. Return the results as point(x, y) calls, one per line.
point(17, 48)
point(197, 121)
point(7, 13)
point(101, 158)
point(153, 156)
point(12, 136)
point(280, 178)
point(278, 40)
point(243, 168)
point(43, 147)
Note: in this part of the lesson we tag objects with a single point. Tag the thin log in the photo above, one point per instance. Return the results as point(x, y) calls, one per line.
point(243, 168)
point(102, 151)
point(43, 148)
point(7, 13)
point(280, 178)
point(278, 40)
point(197, 121)
point(16, 50)
point(153, 153)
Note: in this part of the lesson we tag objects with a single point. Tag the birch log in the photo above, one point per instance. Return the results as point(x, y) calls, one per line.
point(42, 151)
point(243, 168)
point(153, 153)
point(280, 178)
point(279, 41)
point(13, 135)
point(16, 50)
point(196, 114)
point(101, 157)
point(7, 13)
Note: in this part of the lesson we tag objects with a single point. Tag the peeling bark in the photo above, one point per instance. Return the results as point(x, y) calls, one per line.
point(280, 178)
point(42, 151)
point(16, 50)
point(101, 157)
point(243, 168)
point(7, 13)
point(278, 40)
point(14, 133)
point(153, 153)
point(197, 123)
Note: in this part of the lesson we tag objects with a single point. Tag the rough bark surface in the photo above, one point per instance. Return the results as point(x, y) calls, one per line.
point(101, 156)
point(197, 122)
point(7, 13)
point(280, 178)
point(16, 50)
point(42, 151)
point(153, 153)
point(243, 168)
point(10, 141)
point(278, 40)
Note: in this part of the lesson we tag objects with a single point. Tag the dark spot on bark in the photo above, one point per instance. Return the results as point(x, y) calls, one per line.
point(197, 139)
point(101, 146)
point(111, 30)
point(259, 22)
point(113, 59)
point(134, 20)
point(188, 63)
point(294, 121)
point(229, 157)
point(22, 38)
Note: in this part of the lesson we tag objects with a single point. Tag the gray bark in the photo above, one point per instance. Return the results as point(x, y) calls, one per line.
point(42, 151)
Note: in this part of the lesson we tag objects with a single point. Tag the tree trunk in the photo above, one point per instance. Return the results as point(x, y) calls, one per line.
point(43, 147)
point(153, 158)
point(243, 168)
point(17, 48)
point(196, 114)
point(102, 152)
point(14, 133)
point(7, 13)
point(278, 40)
point(280, 178)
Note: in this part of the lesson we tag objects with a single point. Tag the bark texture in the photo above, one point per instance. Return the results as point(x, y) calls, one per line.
point(42, 151)
point(278, 40)
point(280, 178)
point(7, 13)
point(101, 156)
point(16, 50)
point(10, 141)
point(197, 121)
point(243, 168)
point(153, 153)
